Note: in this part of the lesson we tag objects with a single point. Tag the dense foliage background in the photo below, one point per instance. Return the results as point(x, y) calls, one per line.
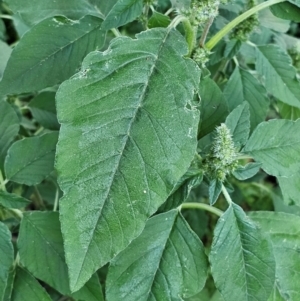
point(119, 120)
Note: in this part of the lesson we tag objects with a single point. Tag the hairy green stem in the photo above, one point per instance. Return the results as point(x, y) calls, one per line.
point(190, 35)
point(2, 182)
point(201, 206)
point(225, 30)
point(9, 17)
point(16, 212)
point(226, 195)
point(116, 32)
point(56, 199)
point(205, 31)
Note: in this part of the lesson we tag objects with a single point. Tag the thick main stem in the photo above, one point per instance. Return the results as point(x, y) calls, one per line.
point(223, 32)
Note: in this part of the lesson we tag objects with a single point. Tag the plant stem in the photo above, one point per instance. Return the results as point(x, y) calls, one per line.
point(16, 212)
point(56, 199)
point(9, 17)
point(169, 11)
point(205, 31)
point(202, 206)
point(116, 32)
point(39, 201)
point(2, 182)
point(225, 30)
point(176, 21)
point(262, 187)
point(190, 35)
point(226, 195)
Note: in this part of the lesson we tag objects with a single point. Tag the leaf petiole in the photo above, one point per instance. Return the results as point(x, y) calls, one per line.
point(226, 195)
point(201, 206)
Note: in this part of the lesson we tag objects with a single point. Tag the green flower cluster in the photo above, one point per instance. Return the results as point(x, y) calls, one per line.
point(244, 29)
point(201, 56)
point(222, 158)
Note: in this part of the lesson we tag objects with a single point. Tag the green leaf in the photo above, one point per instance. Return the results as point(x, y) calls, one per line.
point(35, 11)
point(243, 86)
point(11, 200)
point(6, 257)
point(9, 285)
point(9, 128)
point(232, 48)
point(238, 122)
point(192, 178)
point(241, 257)
point(267, 19)
point(214, 190)
point(36, 61)
point(106, 6)
point(42, 229)
point(287, 11)
point(276, 144)
point(27, 287)
point(122, 130)
point(5, 51)
point(213, 107)
point(123, 12)
point(275, 65)
point(276, 296)
point(280, 206)
point(31, 160)
point(166, 262)
point(248, 171)
point(158, 20)
point(43, 110)
point(290, 188)
point(283, 229)
point(288, 112)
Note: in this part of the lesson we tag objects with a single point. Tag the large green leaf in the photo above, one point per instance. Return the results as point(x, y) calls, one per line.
point(238, 122)
point(284, 231)
point(122, 13)
point(34, 11)
point(11, 200)
point(42, 229)
point(106, 6)
point(125, 141)
point(166, 262)
point(27, 288)
point(275, 65)
point(36, 61)
point(276, 144)
point(286, 10)
point(9, 128)
point(6, 257)
point(290, 187)
point(43, 110)
point(213, 107)
point(243, 86)
point(242, 260)
point(30, 160)
point(267, 19)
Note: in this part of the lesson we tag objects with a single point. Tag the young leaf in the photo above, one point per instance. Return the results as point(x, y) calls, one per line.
point(238, 122)
point(279, 74)
point(290, 188)
point(124, 143)
point(11, 200)
point(288, 112)
point(123, 12)
point(232, 48)
point(35, 11)
point(9, 128)
point(42, 229)
point(43, 110)
point(246, 172)
point(242, 260)
point(26, 286)
point(276, 144)
point(243, 86)
point(214, 190)
point(6, 257)
point(166, 262)
point(213, 107)
point(36, 61)
point(31, 160)
point(158, 20)
point(283, 229)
